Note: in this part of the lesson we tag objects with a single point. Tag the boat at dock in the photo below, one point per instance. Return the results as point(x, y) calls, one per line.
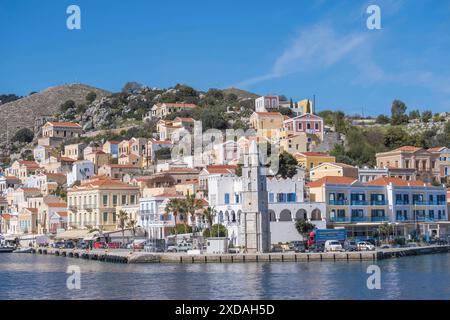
point(6, 249)
point(23, 250)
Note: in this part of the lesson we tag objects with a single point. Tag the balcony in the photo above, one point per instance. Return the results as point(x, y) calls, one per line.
point(401, 203)
point(338, 202)
point(401, 218)
point(359, 219)
point(379, 219)
point(339, 219)
point(359, 203)
point(378, 202)
point(420, 203)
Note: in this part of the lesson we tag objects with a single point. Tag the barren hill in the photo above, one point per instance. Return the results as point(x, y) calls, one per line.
point(23, 112)
point(241, 94)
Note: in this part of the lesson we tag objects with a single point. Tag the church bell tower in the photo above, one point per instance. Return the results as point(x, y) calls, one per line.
point(254, 228)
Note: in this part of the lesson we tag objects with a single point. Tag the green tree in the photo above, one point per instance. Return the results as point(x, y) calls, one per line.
point(382, 119)
point(217, 230)
point(122, 219)
point(69, 104)
point(174, 206)
point(414, 114)
point(24, 135)
point(396, 137)
point(181, 228)
point(304, 227)
point(287, 165)
point(385, 230)
point(192, 206)
point(398, 111)
point(308, 107)
point(90, 97)
point(427, 115)
point(132, 224)
point(209, 213)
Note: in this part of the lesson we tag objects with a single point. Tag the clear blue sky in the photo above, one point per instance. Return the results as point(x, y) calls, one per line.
point(296, 48)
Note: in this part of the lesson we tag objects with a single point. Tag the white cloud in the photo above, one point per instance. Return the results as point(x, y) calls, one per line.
point(316, 48)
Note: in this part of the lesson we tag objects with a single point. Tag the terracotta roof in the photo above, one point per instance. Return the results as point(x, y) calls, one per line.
point(183, 119)
point(11, 178)
point(438, 149)
point(221, 169)
point(62, 213)
point(55, 174)
point(331, 180)
point(161, 141)
point(65, 124)
point(178, 105)
point(127, 166)
point(408, 149)
point(396, 182)
point(268, 114)
point(6, 216)
point(32, 210)
point(102, 182)
point(30, 189)
point(28, 163)
point(180, 170)
point(113, 142)
point(57, 205)
point(67, 159)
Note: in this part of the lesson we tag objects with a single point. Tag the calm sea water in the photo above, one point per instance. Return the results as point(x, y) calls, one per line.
point(27, 276)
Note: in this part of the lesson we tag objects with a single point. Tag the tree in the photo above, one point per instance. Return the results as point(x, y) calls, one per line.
point(69, 104)
point(382, 119)
point(175, 207)
point(396, 137)
point(90, 97)
point(426, 116)
point(398, 110)
point(414, 114)
point(286, 111)
point(180, 228)
point(287, 165)
point(192, 205)
point(209, 213)
point(385, 230)
point(132, 224)
point(122, 219)
point(24, 135)
point(5, 98)
point(132, 87)
point(216, 230)
point(304, 227)
point(308, 107)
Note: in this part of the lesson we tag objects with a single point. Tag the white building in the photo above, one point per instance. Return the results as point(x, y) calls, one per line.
point(153, 218)
point(267, 103)
point(81, 170)
point(286, 203)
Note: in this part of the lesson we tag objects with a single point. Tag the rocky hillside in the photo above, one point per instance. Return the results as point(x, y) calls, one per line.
point(24, 112)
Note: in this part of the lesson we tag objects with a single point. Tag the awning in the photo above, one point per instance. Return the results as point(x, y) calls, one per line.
point(72, 234)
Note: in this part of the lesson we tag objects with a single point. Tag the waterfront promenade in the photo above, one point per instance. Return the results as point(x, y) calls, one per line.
point(127, 256)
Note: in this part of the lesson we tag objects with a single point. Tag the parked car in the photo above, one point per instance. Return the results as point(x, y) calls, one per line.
point(333, 246)
point(365, 246)
point(82, 245)
point(350, 245)
point(180, 247)
point(114, 245)
point(152, 247)
point(385, 246)
point(99, 245)
point(316, 248)
point(299, 246)
point(69, 245)
point(58, 245)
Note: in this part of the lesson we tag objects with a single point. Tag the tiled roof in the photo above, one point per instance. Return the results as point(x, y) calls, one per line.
point(67, 159)
point(408, 149)
point(269, 114)
point(384, 181)
point(331, 180)
point(57, 205)
point(312, 154)
point(32, 210)
point(65, 124)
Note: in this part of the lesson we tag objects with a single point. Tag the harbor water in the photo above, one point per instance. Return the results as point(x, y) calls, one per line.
point(32, 276)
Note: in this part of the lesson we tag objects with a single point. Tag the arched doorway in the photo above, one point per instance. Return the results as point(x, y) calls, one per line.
point(316, 215)
point(272, 216)
point(285, 215)
point(301, 214)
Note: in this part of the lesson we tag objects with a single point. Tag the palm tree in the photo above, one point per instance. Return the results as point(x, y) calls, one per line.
point(192, 205)
point(122, 219)
point(209, 213)
point(132, 224)
point(385, 230)
point(175, 207)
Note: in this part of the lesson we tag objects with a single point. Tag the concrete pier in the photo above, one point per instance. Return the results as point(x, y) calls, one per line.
point(127, 256)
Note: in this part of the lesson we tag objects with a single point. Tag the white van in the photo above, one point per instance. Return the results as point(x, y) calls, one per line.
point(333, 246)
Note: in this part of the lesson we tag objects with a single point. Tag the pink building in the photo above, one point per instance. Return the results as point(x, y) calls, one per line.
point(307, 123)
point(267, 103)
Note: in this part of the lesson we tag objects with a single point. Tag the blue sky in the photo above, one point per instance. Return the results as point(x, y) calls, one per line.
point(296, 48)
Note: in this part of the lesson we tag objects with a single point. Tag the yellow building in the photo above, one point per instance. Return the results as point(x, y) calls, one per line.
point(94, 202)
point(293, 143)
point(309, 160)
point(306, 106)
point(333, 169)
point(267, 124)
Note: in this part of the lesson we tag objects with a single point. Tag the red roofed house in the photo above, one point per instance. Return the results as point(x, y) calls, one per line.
point(306, 123)
point(22, 169)
point(422, 160)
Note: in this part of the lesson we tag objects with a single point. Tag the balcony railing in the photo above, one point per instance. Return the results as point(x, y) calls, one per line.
point(378, 202)
point(338, 202)
point(339, 219)
point(401, 218)
point(359, 219)
point(379, 219)
point(401, 202)
point(359, 203)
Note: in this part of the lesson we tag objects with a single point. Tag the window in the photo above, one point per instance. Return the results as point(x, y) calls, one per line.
point(105, 200)
point(114, 217)
point(291, 197)
point(236, 198)
point(114, 200)
point(124, 199)
point(316, 126)
point(133, 199)
point(271, 198)
point(227, 198)
point(281, 197)
point(105, 216)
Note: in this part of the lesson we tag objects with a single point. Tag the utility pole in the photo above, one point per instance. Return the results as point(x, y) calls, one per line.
point(313, 111)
